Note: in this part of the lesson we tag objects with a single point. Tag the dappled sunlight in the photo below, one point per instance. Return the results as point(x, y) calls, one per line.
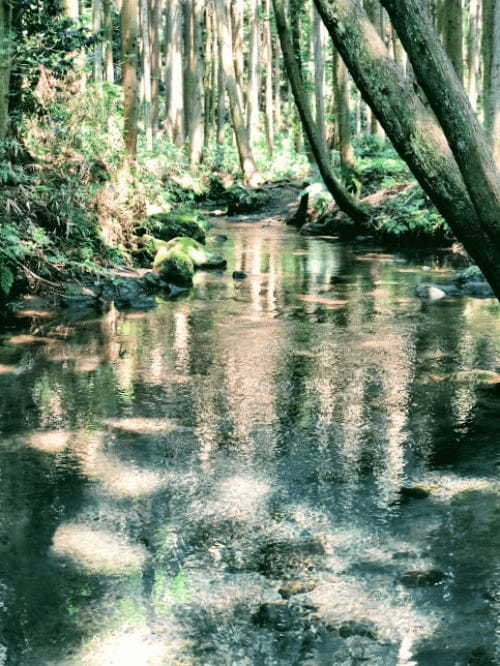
point(52, 441)
point(97, 551)
point(240, 497)
point(141, 424)
point(8, 369)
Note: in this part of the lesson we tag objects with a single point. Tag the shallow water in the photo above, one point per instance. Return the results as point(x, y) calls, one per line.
point(218, 481)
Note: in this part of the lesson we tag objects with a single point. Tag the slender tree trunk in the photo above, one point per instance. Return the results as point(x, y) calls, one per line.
point(473, 52)
point(5, 66)
point(193, 79)
point(253, 74)
point(268, 59)
point(237, 16)
point(210, 78)
point(277, 85)
point(146, 73)
point(453, 110)
point(97, 24)
point(130, 46)
point(453, 36)
point(340, 79)
point(248, 166)
point(71, 9)
point(413, 130)
point(373, 10)
point(109, 68)
point(155, 11)
point(319, 73)
point(344, 200)
point(174, 115)
point(221, 103)
point(495, 87)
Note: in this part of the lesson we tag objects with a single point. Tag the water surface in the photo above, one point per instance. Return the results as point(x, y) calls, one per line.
point(219, 480)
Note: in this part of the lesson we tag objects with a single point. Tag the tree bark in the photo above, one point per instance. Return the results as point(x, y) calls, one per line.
point(344, 200)
point(174, 87)
point(495, 87)
point(473, 52)
point(109, 68)
point(268, 56)
point(5, 67)
point(344, 139)
point(249, 169)
point(193, 79)
point(491, 73)
point(130, 46)
point(146, 73)
point(453, 35)
point(319, 73)
point(413, 130)
point(253, 74)
point(453, 110)
point(97, 24)
point(155, 11)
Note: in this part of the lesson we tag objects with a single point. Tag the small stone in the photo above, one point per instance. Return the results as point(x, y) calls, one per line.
point(239, 275)
point(294, 587)
point(413, 492)
point(422, 578)
point(358, 628)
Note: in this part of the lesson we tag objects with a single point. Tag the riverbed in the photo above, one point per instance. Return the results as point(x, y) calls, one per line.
point(297, 467)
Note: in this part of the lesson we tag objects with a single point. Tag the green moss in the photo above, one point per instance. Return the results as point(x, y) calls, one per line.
point(167, 226)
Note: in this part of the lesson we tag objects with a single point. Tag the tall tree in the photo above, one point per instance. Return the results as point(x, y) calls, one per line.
point(97, 24)
point(413, 130)
point(268, 82)
point(319, 73)
point(130, 48)
point(146, 72)
point(343, 114)
point(5, 66)
point(253, 73)
point(193, 79)
point(491, 73)
point(451, 21)
point(473, 52)
point(174, 117)
point(155, 13)
point(109, 67)
point(249, 169)
point(344, 200)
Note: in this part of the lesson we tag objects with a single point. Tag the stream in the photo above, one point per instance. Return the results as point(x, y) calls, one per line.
point(299, 467)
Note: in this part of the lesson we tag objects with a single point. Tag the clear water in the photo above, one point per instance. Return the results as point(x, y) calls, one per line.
point(218, 481)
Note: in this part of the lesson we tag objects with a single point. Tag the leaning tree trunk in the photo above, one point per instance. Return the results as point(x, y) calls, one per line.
point(249, 169)
point(451, 105)
point(413, 130)
point(174, 117)
point(130, 47)
point(344, 200)
point(5, 65)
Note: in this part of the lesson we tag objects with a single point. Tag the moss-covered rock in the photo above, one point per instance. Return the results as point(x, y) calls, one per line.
point(177, 259)
point(167, 226)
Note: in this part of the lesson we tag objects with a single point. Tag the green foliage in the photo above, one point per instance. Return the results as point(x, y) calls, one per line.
point(378, 166)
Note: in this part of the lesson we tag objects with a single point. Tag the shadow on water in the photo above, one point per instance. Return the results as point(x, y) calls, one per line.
point(292, 469)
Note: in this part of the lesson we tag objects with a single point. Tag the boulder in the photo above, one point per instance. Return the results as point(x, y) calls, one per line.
point(478, 290)
point(177, 260)
point(167, 226)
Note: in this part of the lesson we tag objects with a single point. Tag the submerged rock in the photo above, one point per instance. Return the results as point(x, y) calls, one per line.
point(293, 587)
point(413, 492)
point(239, 275)
point(436, 292)
point(426, 578)
point(358, 628)
point(177, 260)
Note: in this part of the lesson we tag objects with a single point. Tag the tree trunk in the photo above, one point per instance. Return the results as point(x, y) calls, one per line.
point(130, 46)
point(495, 87)
point(71, 9)
point(412, 129)
point(248, 166)
point(155, 11)
point(453, 110)
point(97, 24)
point(268, 59)
point(193, 79)
point(344, 140)
point(5, 67)
point(174, 116)
point(453, 37)
point(344, 200)
point(237, 15)
point(473, 52)
point(146, 73)
point(109, 69)
point(319, 73)
point(253, 74)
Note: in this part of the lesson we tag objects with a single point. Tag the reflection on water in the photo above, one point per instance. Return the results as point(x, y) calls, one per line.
point(296, 468)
